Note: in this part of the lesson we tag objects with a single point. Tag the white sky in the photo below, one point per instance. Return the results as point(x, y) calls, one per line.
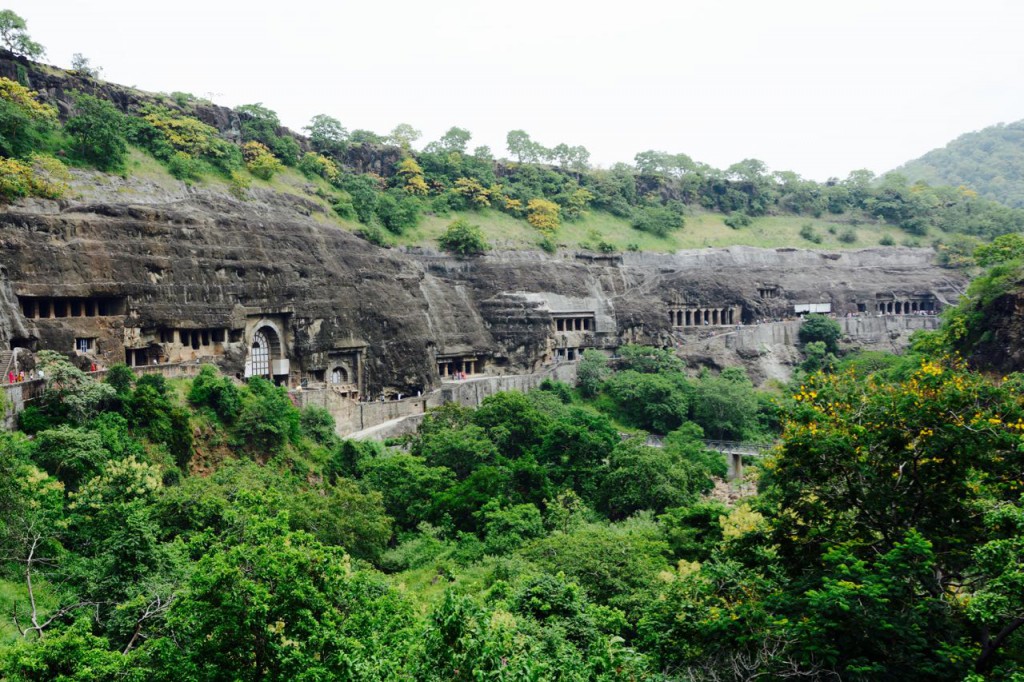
point(820, 87)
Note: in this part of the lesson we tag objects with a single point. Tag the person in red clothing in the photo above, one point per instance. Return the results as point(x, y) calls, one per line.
point(10, 377)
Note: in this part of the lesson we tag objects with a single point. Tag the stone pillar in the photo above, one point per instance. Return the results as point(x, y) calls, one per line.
point(735, 465)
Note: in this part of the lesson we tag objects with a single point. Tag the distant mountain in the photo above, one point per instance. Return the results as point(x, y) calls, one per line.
point(989, 161)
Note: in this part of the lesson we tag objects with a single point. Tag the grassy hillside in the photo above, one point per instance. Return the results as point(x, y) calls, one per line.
point(702, 229)
point(502, 231)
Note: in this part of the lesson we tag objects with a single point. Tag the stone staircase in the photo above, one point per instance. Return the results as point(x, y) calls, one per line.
point(6, 362)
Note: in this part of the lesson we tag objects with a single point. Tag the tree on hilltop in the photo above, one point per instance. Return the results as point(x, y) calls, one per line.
point(14, 37)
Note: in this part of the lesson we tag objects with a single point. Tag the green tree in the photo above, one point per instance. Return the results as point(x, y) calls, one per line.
point(403, 135)
point(274, 604)
point(98, 133)
point(1003, 248)
point(591, 372)
point(258, 123)
point(463, 238)
point(82, 65)
point(267, 421)
point(725, 407)
point(522, 147)
point(14, 37)
point(71, 454)
point(649, 360)
point(218, 393)
point(397, 210)
point(454, 140)
point(69, 392)
point(326, 134)
point(407, 485)
point(821, 328)
point(655, 402)
point(641, 477)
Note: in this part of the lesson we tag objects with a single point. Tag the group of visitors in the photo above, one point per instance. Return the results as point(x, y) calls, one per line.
point(18, 377)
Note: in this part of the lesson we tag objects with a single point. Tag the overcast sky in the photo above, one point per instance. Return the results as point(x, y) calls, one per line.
point(820, 87)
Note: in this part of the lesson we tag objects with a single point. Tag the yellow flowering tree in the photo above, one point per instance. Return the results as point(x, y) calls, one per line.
point(543, 214)
point(260, 161)
point(411, 177)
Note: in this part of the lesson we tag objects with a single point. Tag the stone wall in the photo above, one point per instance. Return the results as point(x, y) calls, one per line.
point(17, 396)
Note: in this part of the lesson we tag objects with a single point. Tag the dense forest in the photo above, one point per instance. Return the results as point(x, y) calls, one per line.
point(207, 529)
point(989, 161)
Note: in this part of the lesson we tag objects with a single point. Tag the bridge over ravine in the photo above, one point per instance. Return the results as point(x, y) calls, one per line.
point(734, 451)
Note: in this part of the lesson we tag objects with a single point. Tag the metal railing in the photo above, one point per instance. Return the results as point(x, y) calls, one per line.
point(735, 447)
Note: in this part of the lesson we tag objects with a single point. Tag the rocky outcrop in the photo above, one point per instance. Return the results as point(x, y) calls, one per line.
point(135, 270)
point(998, 345)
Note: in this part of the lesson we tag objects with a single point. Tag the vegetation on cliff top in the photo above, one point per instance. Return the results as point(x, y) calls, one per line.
point(550, 194)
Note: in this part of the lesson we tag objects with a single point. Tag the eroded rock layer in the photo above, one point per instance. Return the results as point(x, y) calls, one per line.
point(269, 286)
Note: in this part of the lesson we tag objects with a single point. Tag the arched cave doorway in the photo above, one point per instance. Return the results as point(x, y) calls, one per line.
point(339, 375)
point(264, 348)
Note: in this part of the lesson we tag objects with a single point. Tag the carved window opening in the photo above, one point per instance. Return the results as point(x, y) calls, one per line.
point(259, 355)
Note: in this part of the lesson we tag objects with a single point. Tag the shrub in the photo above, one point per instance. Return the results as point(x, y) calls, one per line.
point(398, 211)
point(238, 185)
point(848, 236)
point(260, 161)
point(375, 235)
point(887, 240)
point(543, 214)
point(808, 233)
point(463, 239)
point(183, 167)
point(318, 425)
point(606, 247)
point(163, 132)
point(657, 220)
point(218, 393)
point(548, 244)
point(24, 121)
point(43, 177)
point(121, 378)
point(316, 165)
point(737, 219)
point(343, 206)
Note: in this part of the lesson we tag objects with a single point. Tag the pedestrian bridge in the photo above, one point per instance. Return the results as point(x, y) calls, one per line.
point(733, 450)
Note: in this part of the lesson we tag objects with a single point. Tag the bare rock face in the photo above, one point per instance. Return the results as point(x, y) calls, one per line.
point(141, 272)
point(1001, 348)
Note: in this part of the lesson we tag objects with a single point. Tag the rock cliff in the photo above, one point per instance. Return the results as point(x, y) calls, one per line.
point(133, 271)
